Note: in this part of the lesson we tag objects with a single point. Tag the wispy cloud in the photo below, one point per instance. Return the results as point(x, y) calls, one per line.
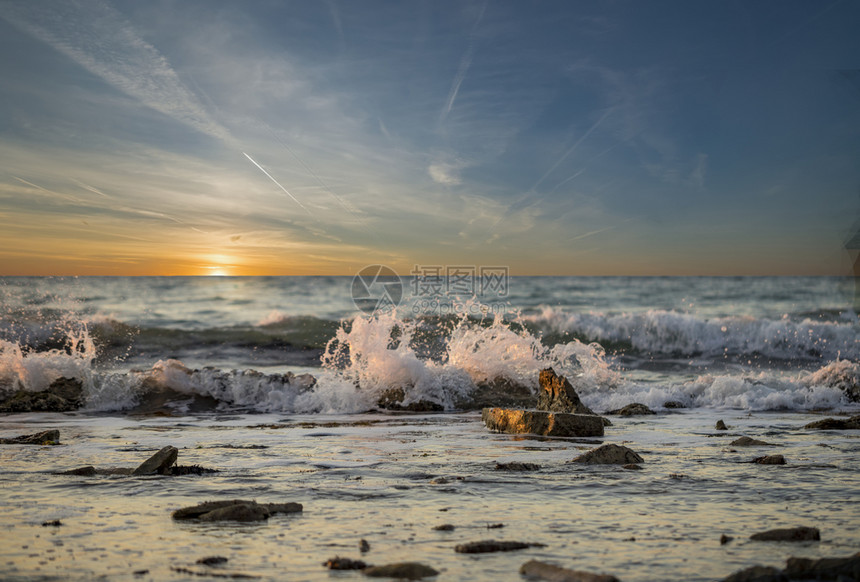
point(463, 69)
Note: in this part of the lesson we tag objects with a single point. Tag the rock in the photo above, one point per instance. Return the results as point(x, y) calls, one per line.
point(177, 470)
point(500, 392)
point(402, 570)
point(673, 404)
point(392, 399)
point(724, 539)
point(632, 467)
point(63, 395)
point(212, 560)
point(609, 454)
point(159, 463)
point(235, 509)
point(634, 409)
point(87, 471)
point(824, 568)
point(444, 527)
point(746, 441)
point(542, 423)
point(769, 460)
point(338, 563)
point(757, 574)
point(721, 425)
point(542, 571)
point(791, 534)
point(516, 466)
point(363, 546)
point(52, 523)
point(557, 395)
point(852, 423)
point(46, 437)
point(487, 546)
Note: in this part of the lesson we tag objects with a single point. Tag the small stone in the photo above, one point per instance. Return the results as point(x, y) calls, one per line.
point(634, 409)
point(609, 454)
point(791, 534)
point(52, 523)
point(746, 441)
point(338, 563)
point(724, 539)
point(212, 560)
point(444, 527)
point(543, 571)
point(487, 546)
point(516, 466)
point(769, 460)
point(159, 463)
point(721, 425)
point(363, 546)
point(402, 570)
point(46, 437)
point(632, 467)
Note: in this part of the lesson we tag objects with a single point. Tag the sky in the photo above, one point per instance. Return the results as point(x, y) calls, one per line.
point(207, 137)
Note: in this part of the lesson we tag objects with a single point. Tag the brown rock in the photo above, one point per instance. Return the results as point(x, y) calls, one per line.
point(721, 425)
point(769, 460)
point(516, 466)
point(159, 463)
point(542, 423)
point(791, 534)
point(609, 454)
point(63, 395)
point(543, 571)
point(237, 512)
point(632, 467)
point(402, 570)
point(487, 546)
point(444, 527)
point(557, 395)
point(46, 437)
point(757, 574)
point(338, 563)
point(824, 568)
point(746, 441)
point(634, 409)
point(835, 424)
point(235, 509)
point(87, 471)
point(724, 539)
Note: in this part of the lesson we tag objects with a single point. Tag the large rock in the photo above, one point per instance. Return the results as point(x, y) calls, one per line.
point(557, 395)
point(63, 395)
point(159, 463)
point(836, 569)
point(500, 392)
point(852, 423)
point(235, 510)
point(609, 454)
point(746, 441)
point(489, 546)
point(46, 437)
point(757, 574)
point(542, 571)
point(401, 570)
point(789, 534)
point(634, 409)
point(542, 423)
point(769, 460)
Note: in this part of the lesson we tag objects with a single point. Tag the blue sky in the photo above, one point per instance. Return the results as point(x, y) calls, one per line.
point(272, 137)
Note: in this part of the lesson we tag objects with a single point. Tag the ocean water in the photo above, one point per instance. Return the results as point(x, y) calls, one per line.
point(276, 383)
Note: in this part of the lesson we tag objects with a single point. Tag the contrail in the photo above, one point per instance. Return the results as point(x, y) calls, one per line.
point(278, 184)
point(573, 148)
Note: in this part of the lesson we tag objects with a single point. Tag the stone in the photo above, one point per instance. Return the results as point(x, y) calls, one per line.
point(632, 467)
point(159, 463)
point(46, 437)
point(791, 534)
point(237, 512)
point(444, 527)
point(609, 454)
point(177, 470)
point(557, 395)
point(852, 423)
point(63, 395)
point(769, 460)
point(724, 539)
point(634, 409)
point(401, 570)
point(87, 471)
point(746, 441)
point(52, 523)
point(500, 392)
point(212, 560)
point(363, 546)
point(338, 563)
point(517, 466)
point(673, 404)
point(487, 546)
point(542, 571)
point(824, 568)
point(542, 423)
point(721, 425)
point(757, 574)
point(235, 509)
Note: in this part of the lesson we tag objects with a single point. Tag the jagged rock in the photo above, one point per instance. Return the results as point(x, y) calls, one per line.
point(673, 404)
point(235, 509)
point(557, 395)
point(542, 423)
point(852, 423)
point(769, 460)
point(338, 563)
point(402, 570)
point(516, 466)
point(757, 574)
point(746, 441)
point(634, 409)
point(46, 437)
point(487, 546)
point(609, 454)
point(63, 395)
point(543, 571)
point(790, 534)
point(721, 425)
point(159, 463)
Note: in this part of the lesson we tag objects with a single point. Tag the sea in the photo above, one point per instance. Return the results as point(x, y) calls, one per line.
point(281, 384)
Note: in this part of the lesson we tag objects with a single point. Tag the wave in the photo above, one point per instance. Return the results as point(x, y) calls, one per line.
point(680, 334)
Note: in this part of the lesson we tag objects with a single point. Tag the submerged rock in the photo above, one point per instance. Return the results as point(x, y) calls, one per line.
point(746, 441)
point(542, 571)
point(46, 437)
point(673, 404)
point(159, 463)
point(609, 454)
point(557, 395)
point(488, 546)
point(852, 423)
point(212, 560)
point(338, 563)
point(769, 460)
point(444, 527)
point(402, 570)
point(516, 466)
point(63, 395)
point(235, 510)
point(790, 534)
point(634, 409)
point(542, 423)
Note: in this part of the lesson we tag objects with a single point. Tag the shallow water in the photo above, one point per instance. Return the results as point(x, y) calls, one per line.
point(390, 479)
